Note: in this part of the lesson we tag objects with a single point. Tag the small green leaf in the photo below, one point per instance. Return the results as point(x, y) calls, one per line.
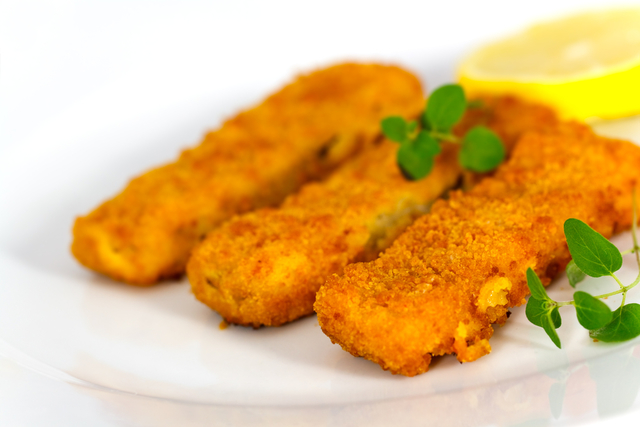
point(445, 107)
point(624, 325)
point(411, 127)
point(482, 150)
point(550, 323)
point(592, 253)
point(542, 313)
point(426, 144)
point(395, 128)
point(535, 286)
point(414, 160)
point(574, 274)
point(476, 103)
point(592, 313)
point(535, 310)
point(555, 317)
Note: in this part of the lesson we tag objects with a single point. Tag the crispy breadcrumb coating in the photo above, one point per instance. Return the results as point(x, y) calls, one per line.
point(265, 267)
point(438, 289)
point(255, 159)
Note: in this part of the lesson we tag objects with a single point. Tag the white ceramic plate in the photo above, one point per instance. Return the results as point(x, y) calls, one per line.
point(160, 345)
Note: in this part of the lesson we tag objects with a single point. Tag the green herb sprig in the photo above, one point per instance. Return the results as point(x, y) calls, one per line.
point(481, 149)
point(595, 256)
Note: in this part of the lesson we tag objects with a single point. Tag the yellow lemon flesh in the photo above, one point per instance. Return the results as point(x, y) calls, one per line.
point(585, 66)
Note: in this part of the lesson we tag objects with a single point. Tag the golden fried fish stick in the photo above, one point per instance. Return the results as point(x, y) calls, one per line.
point(255, 159)
point(457, 270)
point(265, 267)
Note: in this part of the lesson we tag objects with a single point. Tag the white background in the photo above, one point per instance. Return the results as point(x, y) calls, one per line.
point(69, 68)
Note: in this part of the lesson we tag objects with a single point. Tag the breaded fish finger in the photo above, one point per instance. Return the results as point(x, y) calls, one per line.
point(255, 159)
point(265, 267)
point(438, 289)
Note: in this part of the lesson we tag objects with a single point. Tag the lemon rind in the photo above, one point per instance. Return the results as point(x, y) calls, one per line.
point(577, 99)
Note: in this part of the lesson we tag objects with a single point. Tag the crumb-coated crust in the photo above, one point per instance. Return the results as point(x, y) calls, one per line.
point(265, 267)
point(255, 159)
point(442, 284)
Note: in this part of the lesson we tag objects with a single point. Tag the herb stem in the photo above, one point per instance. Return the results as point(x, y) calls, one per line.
point(635, 282)
point(610, 294)
point(628, 251)
point(623, 291)
point(563, 303)
point(617, 280)
point(444, 136)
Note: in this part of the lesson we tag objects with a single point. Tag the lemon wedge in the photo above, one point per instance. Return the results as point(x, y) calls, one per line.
point(585, 66)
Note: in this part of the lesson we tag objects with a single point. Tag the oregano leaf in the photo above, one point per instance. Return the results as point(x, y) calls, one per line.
point(535, 310)
point(426, 145)
point(415, 160)
point(481, 150)
point(476, 103)
point(592, 313)
point(592, 253)
point(574, 274)
point(550, 323)
point(555, 317)
point(535, 286)
point(624, 325)
point(411, 127)
point(445, 107)
point(395, 128)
